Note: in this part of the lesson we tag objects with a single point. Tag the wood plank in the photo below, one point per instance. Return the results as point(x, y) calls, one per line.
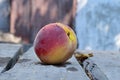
point(108, 62)
point(30, 68)
point(93, 71)
point(6, 52)
point(90, 68)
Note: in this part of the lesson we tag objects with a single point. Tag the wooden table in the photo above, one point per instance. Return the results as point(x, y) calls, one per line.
point(30, 68)
point(108, 62)
point(103, 65)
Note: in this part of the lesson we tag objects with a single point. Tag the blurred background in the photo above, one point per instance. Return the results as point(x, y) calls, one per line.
point(22, 19)
point(96, 22)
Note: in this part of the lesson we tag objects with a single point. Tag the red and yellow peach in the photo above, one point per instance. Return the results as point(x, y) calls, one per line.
point(55, 43)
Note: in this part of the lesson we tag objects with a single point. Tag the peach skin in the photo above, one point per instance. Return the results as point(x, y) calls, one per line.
point(55, 43)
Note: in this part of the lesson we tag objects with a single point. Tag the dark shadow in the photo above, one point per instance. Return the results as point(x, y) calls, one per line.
point(73, 69)
point(63, 64)
point(56, 65)
point(24, 60)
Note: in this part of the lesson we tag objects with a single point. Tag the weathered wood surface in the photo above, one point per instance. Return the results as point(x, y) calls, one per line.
point(102, 66)
point(90, 68)
point(93, 71)
point(107, 62)
point(30, 68)
point(6, 52)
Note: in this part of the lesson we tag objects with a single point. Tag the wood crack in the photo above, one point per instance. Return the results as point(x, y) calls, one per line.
point(90, 68)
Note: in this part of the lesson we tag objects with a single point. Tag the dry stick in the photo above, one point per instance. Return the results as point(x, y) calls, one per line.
point(91, 69)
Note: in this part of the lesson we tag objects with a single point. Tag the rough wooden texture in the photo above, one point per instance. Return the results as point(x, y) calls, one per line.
point(108, 62)
point(93, 71)
point(28, 16)
point(90, 68)
point(6, 52)
point(30, 68)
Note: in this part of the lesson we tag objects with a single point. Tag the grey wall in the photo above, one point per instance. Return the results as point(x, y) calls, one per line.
point(98, 24)
point(4, 15)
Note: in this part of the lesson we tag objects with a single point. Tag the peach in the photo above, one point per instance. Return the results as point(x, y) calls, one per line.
point(55, 43)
